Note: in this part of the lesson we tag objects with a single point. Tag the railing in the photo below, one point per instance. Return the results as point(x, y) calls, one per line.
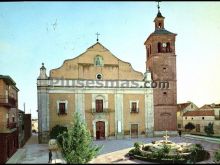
point(4, 126)
point(8, 101)
point(11, 125)
point(105, 110)
point(134, 110)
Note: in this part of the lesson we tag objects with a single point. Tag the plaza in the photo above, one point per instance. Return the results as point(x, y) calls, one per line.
point(113, 151)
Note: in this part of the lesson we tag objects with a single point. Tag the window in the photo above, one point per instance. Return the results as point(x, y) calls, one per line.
point(197, 127)
point(203, 118)
point(186, 118)
point(62, 107)
point(99, 105)
point(159, 25)
point(192, 118)
point(168, 49)
point(148, 53)
point(99, 76)
point(159, 47)
point(191, 105)
point(179, 125)
point(134, 107)
point(164, 93)
point(164, 69)
point(62, 110)
point(98, 61)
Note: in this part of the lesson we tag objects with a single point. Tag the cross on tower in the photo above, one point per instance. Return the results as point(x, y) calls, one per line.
point(97, 36)
point(158, 5)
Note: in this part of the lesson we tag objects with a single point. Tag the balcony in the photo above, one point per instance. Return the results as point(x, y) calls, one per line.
point(105, 110)
point(11, 125)
point(136, 110)
point(7, 127)
point(8, 101)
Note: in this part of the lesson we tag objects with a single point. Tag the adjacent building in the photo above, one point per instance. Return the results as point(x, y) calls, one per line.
point(202, 117)
point(21, 128)
point(8, 118)
point(25, 130)
point(181, 109)
point(34, 123)
point(114, 100)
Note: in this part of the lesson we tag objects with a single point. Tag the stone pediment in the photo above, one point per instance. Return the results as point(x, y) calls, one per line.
point(85, 66)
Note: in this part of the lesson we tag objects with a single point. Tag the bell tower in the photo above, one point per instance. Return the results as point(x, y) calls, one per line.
point(161, 62)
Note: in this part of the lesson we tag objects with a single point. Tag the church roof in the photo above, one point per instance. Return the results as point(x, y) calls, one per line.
point(182, 106)
point(162, 31)
point(200, 113)
point(97, 43)
point(159, 14)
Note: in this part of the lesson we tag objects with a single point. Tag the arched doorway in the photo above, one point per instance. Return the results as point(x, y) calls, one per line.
point(100, 130)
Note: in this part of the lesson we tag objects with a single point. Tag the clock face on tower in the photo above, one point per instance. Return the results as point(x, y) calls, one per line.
point(164, 45)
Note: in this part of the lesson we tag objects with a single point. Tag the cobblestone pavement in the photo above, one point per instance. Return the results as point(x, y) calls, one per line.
point(113, 151)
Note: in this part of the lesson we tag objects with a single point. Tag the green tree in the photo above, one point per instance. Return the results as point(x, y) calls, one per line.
point(190, 126)
point(209, 129)
point(77, 147)
point(57, 130)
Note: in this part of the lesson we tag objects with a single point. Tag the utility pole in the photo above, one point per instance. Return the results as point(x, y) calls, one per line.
point(24, 108)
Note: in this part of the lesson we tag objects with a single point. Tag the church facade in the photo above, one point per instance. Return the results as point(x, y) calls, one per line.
point(113, 99)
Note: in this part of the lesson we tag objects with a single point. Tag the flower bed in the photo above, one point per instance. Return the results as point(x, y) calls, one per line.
point(169, 152)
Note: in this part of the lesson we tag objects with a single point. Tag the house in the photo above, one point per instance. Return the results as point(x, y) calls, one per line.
point(8, 118)
point(201, 118)
point(181, 109)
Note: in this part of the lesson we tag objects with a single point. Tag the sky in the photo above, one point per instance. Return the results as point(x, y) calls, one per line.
point(50, 32)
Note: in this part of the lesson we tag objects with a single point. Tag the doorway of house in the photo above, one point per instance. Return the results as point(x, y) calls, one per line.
point(134, 130)
point(100, 130)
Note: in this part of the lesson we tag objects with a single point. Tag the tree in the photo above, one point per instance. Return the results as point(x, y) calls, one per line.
point(57, 130)
point(209, 129)
point(190, 126)
point(77, 147)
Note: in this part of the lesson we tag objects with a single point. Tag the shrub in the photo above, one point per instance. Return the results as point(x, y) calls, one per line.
point(57, 130)
point(209, 129)
point(137, 147)
point(217, 156)
point(190, 126)
point(198, 153)
point(166, 149)
point(146, 148)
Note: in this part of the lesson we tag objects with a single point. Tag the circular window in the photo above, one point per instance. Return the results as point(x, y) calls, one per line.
point(99, 76)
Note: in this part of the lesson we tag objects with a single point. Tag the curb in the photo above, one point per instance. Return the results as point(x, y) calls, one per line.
point(207, 139)
point(16, 157)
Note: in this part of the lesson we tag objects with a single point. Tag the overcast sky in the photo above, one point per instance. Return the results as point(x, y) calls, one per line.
point(50, 32)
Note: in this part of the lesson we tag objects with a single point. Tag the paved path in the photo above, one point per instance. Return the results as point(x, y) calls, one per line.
point(112, 152)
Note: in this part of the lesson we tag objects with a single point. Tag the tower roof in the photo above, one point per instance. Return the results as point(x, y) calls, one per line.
point(159, 15)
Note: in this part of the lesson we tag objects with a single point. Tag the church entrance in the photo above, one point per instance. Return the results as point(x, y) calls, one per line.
point(100, 130)
point(134, 130)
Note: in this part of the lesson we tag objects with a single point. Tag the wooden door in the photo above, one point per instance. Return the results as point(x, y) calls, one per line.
point(100, 130)
point(134, 130)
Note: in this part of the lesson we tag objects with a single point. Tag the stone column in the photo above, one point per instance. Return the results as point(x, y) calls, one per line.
point(119, 122)
point(80, 103)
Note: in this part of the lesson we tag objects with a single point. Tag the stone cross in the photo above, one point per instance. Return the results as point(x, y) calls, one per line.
point(97, 36)
point(166, 137)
